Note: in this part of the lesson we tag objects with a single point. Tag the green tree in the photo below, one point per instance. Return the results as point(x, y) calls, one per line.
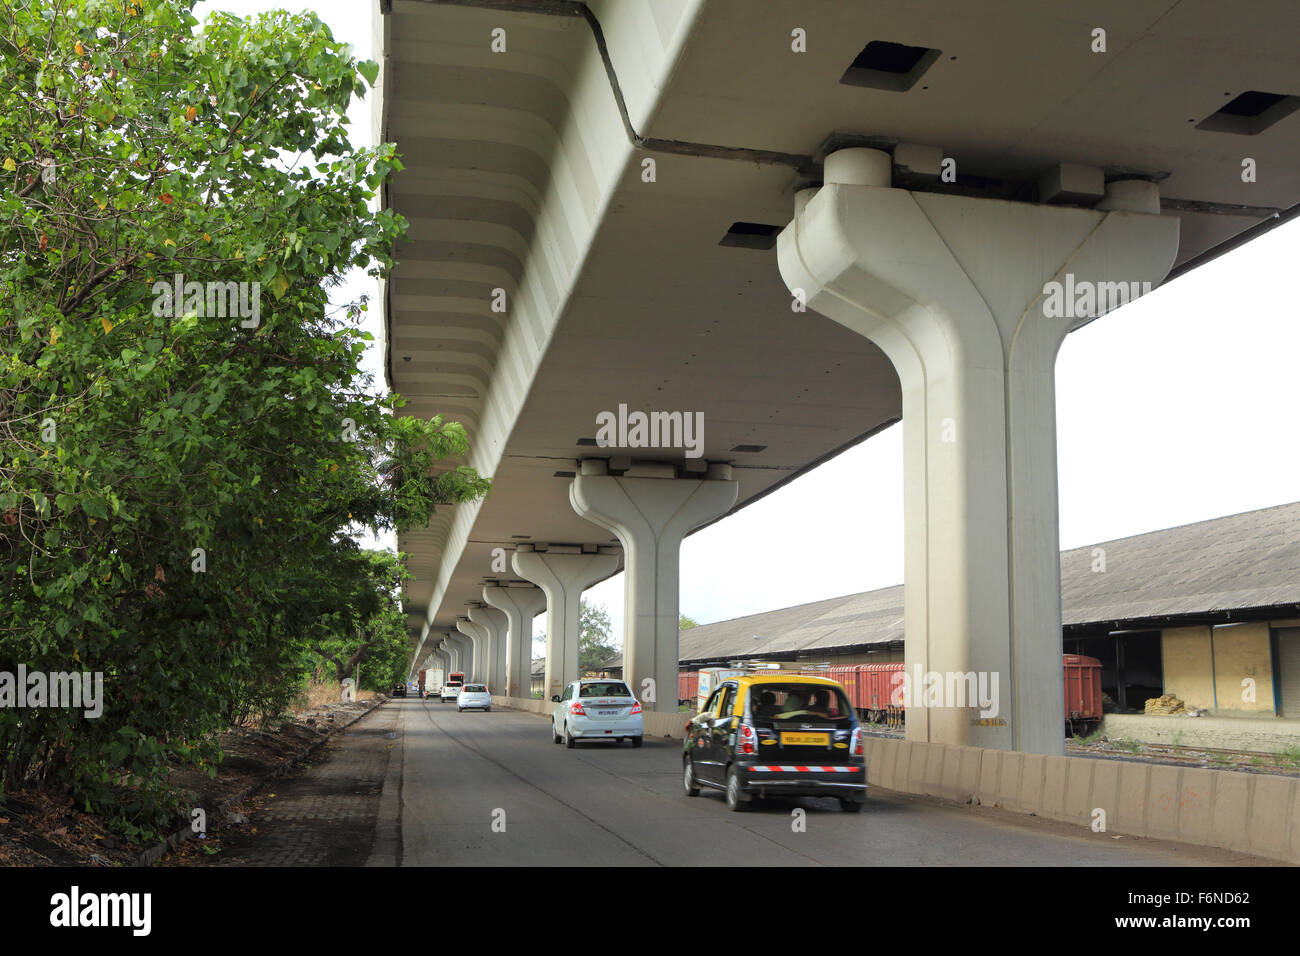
point(594, 644)
point(685, 623)
point(369, 629)
point(179, 484)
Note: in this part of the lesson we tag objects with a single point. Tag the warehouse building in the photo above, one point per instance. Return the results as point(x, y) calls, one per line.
point(1208, 612)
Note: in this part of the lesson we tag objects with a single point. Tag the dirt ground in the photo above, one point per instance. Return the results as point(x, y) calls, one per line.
point(40, 828)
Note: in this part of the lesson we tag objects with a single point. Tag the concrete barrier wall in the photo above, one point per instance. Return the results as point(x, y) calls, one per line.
point(543, 707)
point(1235, 810)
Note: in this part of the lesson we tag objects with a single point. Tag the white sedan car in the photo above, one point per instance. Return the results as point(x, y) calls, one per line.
point(596, 709)
point(473, 696)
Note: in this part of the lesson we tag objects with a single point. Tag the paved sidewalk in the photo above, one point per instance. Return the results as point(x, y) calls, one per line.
point(324, 816)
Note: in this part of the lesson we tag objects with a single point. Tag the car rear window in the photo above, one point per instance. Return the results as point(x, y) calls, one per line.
point(779, 702)
point(614, 688)
point(475, 689)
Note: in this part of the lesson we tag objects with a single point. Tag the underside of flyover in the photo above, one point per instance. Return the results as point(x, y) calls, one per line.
point(551, 273)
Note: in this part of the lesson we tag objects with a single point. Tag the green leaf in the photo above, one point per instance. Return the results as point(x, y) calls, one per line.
point(95, 506)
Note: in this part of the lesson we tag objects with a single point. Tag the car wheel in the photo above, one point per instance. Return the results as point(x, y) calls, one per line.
point(568, 738)
point(851, 805)
point(487, 710)
point(735, 801)
point(636, 741)
point(460, 710)
point(688, 778)
point(555, 738)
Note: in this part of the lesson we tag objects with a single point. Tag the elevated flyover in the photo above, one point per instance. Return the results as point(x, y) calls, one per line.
point(595, 193)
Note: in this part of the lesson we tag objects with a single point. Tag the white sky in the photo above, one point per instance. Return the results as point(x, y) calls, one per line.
point(1180, 407)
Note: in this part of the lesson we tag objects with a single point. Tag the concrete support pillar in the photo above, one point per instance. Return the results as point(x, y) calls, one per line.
point(563, 572)
point(650, 516)
point(474, 649)
point(493, 623)
point(520, 604)
point(464, 653)
point(971, 298)
point(453, 652)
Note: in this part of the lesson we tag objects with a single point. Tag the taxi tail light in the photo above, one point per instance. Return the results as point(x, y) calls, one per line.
point(855, 742)
point(636, 708)
point(746, 740)
point(577, 708)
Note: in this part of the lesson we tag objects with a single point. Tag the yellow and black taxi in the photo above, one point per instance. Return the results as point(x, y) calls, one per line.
point(776, 734)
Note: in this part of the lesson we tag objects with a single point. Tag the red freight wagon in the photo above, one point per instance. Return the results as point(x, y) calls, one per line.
point(871, 686)
point(1082, 688)
point(881, 688)
point(847, 676)
point(688, 683)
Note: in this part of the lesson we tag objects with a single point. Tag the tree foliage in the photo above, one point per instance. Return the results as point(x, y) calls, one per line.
point(367, 631)
point(177, 483)
point(594, 644)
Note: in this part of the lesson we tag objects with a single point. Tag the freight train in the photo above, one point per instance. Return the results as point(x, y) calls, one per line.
point(872, 689)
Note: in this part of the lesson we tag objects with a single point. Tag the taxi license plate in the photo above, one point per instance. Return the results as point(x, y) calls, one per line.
point(606, 713)
point(805, 740)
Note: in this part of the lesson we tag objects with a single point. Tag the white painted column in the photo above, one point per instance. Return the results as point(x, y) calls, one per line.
point(459, 645)
point(650, 516)
point(520, 603)
point(476, 672)
point(493, 623)
point(952, 289)
point(563, 572)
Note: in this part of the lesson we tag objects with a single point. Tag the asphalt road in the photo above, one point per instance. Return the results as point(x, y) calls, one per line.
point(490, 789)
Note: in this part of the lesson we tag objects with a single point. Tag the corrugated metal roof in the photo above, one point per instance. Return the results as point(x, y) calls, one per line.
point(1242, 561)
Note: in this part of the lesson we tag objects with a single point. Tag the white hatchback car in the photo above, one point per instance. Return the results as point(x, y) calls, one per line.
point(596, 709)
point(473, 696)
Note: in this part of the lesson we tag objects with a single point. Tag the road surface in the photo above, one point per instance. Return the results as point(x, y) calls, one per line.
point(490, 789)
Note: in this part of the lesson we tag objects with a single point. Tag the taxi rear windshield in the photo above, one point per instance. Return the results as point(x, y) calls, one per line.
point(475, 689)
point(612, 689)
point(781, 702)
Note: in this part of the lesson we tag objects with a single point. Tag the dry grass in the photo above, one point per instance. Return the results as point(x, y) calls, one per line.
point(325, 691)
point(318, 694)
